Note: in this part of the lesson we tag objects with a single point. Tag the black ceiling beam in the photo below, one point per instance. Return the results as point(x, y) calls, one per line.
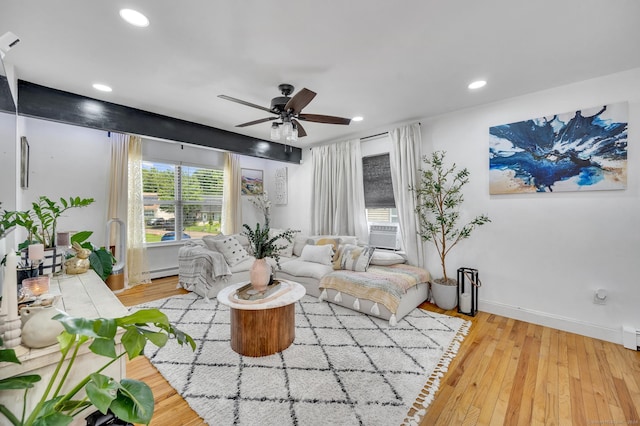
point(6, 100)
point(64, 107)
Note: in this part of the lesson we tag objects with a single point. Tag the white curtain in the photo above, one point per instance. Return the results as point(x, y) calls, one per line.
point(231, 204)
point(137, 263)
point(337, 199)
point(117, 208)
point(405, 158)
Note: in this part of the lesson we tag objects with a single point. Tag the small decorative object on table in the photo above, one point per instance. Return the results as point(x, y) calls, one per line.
point(36, 286)
point(79, 264)
point(249, 294)
point(468, 291)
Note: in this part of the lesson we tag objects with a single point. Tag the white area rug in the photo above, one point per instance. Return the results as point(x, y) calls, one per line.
point(344, 367)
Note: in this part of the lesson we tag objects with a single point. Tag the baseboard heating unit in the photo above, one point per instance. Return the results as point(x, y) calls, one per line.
point(384, 236)
point(631, 338)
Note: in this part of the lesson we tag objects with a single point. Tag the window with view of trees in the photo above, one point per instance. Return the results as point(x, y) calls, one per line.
point(181, 202)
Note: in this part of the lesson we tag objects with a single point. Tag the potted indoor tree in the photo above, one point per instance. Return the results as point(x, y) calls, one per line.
point(130, 400)
point(438, 200)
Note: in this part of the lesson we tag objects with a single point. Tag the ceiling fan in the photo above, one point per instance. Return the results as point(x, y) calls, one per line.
point(289, 111)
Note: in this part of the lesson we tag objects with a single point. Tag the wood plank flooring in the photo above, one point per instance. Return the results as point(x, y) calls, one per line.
point(507, 372)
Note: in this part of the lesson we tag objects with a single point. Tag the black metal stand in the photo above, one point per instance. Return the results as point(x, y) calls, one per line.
point(468, 277)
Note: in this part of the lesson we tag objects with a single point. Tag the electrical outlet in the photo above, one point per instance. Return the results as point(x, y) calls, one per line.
point(600, 296)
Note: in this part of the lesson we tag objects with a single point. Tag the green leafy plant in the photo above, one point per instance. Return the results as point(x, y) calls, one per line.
point(101, 259)
point(438, 199)
point(41, 221)
point(261, 245)
point(130, 400)
point(6, 221)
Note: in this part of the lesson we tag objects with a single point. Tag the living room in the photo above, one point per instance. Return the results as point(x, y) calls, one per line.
point(541, 259)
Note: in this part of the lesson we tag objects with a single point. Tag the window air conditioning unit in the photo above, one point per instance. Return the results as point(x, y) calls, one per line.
point(384, 236)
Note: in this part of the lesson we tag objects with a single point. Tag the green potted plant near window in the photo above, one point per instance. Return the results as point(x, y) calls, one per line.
point(438, 200)
point(130, 400)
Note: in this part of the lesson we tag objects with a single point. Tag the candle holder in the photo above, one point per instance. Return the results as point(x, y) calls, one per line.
point(36, 286)
point(468, 283)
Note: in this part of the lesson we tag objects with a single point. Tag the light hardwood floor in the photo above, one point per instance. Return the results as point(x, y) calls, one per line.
point(507, 372)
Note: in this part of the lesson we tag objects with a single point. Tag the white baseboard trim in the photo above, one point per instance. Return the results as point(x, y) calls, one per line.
point(161, 273)
point(546, 319)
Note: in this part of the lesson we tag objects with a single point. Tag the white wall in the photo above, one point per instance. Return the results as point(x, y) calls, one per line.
point(544, 254)
point(68, 161)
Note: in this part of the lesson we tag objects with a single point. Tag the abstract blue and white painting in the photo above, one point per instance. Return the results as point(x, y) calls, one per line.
point(575, 151)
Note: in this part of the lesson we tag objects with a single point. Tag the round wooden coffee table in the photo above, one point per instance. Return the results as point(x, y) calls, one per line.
point(259, 329)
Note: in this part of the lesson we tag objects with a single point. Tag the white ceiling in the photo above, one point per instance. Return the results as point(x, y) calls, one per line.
point(390, 61)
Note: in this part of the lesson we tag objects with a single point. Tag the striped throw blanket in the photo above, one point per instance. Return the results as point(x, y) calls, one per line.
point(200, 267)
point(381, 284)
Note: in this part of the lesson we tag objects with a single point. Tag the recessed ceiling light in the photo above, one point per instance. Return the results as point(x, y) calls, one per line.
point(477, 84)
point(102, 87)
point(134, 17)
point(357, 118)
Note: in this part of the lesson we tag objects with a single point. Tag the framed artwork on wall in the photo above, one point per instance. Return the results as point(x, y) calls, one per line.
point(584, 150)
point(252, 182)
point(24, 163)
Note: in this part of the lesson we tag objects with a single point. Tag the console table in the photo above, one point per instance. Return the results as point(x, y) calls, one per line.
point(84, 295)
point(261, 329)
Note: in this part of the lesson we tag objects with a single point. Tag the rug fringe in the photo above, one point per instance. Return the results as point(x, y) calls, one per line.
point(427, 394)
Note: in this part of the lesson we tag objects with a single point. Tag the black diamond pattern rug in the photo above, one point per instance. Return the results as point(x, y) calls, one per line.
point(344, 367)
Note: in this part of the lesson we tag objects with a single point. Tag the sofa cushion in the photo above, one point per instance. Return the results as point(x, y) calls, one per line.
point(299, 242)
point(231, 249)
point(334, 242)
point(243, 265)
point(322, 254)
point(355, 258)
point(386, 258)
point(287, 251)
point(300, 268)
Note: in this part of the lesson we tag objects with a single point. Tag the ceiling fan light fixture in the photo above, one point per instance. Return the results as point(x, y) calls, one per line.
point(275, 132)
point(287, 130)
point(357, 118)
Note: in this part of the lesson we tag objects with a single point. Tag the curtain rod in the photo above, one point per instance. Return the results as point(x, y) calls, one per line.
point(380, 134)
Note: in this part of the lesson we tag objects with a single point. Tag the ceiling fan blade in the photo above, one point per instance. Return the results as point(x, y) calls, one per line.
point(262, 120)
point(328, 119)
point(301, 132)
point(300, 100)
point(249, 104)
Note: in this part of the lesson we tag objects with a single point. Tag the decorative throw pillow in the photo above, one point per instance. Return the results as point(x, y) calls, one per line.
point(321, 241)
point(386, 258)
point(355, 258)
point(231, 249)
point(287, 251)
point(317, 254)
point(298, 244)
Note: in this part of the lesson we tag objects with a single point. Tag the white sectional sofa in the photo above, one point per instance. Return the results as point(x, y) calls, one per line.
point(208, 265)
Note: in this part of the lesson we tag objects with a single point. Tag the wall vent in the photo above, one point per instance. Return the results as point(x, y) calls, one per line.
point(384, 236)
point(631, 338)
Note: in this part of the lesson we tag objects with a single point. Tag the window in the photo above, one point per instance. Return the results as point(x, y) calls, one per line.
point(378, 189)
point(181, 202)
